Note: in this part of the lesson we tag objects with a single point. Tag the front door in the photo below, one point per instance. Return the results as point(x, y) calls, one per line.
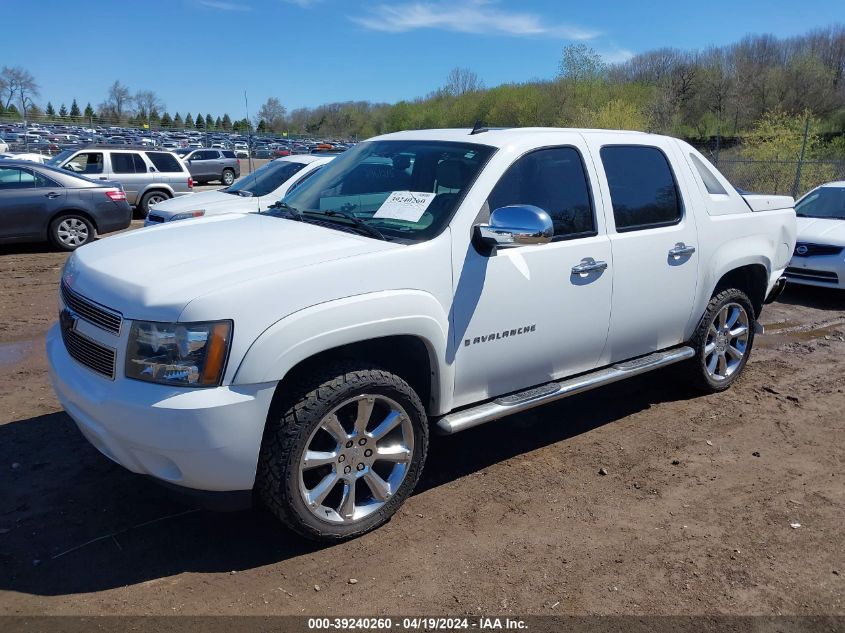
point(26, 202)
point(654, 242)
point(523, 317)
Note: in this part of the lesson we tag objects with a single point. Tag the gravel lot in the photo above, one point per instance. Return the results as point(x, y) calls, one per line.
point(693, 517)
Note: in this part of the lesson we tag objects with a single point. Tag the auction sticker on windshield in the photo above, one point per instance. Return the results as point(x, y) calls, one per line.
point(405, 205)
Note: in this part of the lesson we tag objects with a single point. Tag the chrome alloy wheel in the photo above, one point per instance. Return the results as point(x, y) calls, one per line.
point(727, 342)
point(72, 232)
point(356, 459)
point(156, 198)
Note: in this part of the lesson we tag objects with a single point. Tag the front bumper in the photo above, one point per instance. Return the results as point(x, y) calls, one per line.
point(202, 439)
point(826, 271)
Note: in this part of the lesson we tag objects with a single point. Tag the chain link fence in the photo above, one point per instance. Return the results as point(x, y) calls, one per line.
point(784, 177)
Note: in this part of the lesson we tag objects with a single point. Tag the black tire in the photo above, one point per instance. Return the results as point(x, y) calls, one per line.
point(69, 231)
point(228, 177)
point(149, 198)
point(697, 372)
point(293, 422)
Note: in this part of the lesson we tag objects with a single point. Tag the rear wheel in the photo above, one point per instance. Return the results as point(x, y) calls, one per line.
point(153, 197)
point(69, 232)
point(344, 454)
point(722, 342)
point(228, 177)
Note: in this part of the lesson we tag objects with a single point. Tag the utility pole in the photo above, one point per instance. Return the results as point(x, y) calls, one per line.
point(796, 186)
point(249, 131)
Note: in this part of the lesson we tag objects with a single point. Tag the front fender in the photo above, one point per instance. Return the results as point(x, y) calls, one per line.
point(329, 325)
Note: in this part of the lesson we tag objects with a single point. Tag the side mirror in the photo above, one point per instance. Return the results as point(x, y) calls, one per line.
point(516, 225)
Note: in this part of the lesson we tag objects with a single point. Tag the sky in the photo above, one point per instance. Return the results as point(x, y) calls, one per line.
point(202, 55)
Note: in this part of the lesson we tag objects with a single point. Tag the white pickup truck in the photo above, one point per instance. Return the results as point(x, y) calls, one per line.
point(426, 280)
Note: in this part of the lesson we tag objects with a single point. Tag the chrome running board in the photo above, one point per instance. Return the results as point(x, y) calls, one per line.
point(536, 396)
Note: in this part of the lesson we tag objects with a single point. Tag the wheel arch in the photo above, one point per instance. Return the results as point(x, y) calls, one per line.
point(404, 331)
point(752, 279)
point(71, 211)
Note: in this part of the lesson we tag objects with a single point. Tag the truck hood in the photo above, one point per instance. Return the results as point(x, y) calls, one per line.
point(154, 273)
point(821, 231)
point(212, 202)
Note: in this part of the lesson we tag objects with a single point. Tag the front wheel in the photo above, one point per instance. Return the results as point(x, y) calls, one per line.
point(228, 177)
point(343, 452)
point(722, 342)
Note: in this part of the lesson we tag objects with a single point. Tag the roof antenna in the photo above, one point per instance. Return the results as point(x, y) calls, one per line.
point(478, 128)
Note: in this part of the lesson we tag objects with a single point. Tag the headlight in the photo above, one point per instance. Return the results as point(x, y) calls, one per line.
point(188, 214)
point(182, 354)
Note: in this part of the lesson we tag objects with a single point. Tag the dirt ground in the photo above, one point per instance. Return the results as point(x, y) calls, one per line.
point(693, 517)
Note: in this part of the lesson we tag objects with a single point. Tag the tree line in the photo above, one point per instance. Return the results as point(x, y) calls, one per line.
point(721, 91)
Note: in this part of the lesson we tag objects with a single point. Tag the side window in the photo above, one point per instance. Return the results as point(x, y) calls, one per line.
point(164, 162)
point(140, 165)
point(554, 180)
point(709, 179)
point(43, 181)
point(15, 178)
point(304, 178)
point(86, 163)
point(642, 187)
point(122, 163)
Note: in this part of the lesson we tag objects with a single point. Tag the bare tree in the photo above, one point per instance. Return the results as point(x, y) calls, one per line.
point(273, 114)
point(117, 103)
point(147, 104)
point(19, 85)
point(460, 81)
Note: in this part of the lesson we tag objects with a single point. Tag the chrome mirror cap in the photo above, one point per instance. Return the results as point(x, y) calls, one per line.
point(516, 225)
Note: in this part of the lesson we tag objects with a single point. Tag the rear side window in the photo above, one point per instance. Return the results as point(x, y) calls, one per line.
point(228, 153)
point(165, 161)
point(554, 180)
point(709, 179)
point(15, 178)
point(642, 187)
point(127, 163)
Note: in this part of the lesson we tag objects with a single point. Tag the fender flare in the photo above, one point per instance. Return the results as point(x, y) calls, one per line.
point(333, 324)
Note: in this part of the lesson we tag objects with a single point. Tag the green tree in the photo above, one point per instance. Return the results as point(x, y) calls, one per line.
point(74, 111)
point(199, 122)
point(218, 124)
point(12, 112)
point(189, 121)
point(166, 121)
point(262, 127)
point(50, 111)
point(63, 111)
point(209, 122)
point(177, 121)
point(89, 112)
point(227, 122)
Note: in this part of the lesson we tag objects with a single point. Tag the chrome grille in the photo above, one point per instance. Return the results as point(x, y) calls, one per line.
point(82, 349)
point(94, 313)
point(806, 249)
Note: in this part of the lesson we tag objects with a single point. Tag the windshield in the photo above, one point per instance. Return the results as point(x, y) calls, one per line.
point(266, 179)
point(824, 202)
point(405, 189)
point(59, 158)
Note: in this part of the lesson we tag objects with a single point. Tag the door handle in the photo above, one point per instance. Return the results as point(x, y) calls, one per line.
point(588, 265)
point(680, 249)
point(52, 195)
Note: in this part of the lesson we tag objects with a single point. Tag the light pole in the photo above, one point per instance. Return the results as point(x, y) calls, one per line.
point(24, 100)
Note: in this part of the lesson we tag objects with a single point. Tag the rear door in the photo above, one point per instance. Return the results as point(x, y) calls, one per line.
point(130, 170)
point(27, 201)
point(654, 241)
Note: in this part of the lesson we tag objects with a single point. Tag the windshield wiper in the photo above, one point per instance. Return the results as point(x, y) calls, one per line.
point(357, 222)
point(295, 213)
